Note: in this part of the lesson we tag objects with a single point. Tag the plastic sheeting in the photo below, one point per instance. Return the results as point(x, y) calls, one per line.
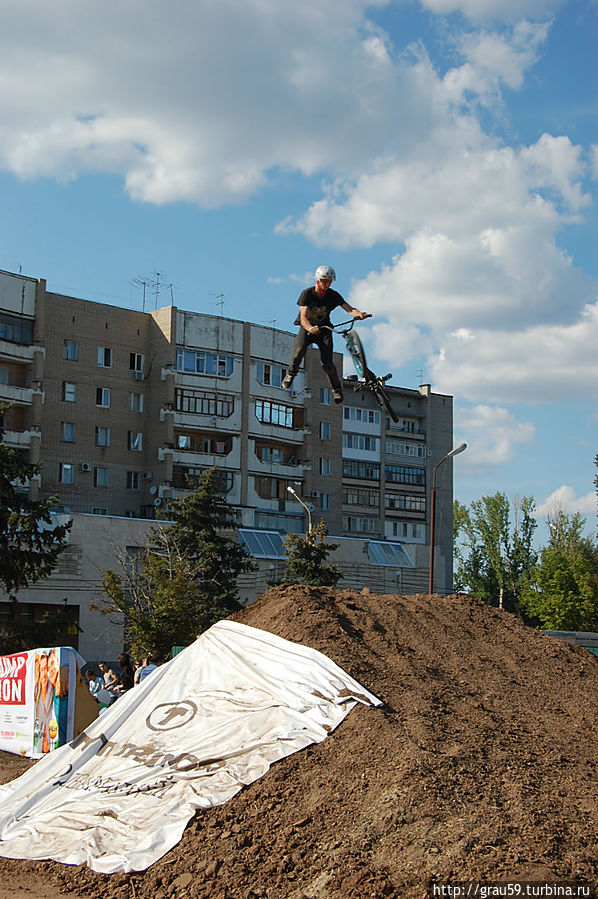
point(190, 736)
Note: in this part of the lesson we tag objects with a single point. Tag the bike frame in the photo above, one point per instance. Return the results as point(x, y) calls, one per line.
point(369, 380)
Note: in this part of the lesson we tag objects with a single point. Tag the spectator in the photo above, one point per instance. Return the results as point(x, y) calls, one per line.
point(150, 664)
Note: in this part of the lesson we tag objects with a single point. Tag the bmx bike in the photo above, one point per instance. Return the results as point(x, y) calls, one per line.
point(368, 380)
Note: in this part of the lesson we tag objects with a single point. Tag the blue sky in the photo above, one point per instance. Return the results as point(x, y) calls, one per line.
point(442, 155)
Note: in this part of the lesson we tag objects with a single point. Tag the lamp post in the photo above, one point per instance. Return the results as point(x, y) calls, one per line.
point(454, 452)
point(299, 500)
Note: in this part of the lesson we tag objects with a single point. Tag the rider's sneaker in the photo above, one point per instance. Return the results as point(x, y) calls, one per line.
point(287, 381)
point(337, 395)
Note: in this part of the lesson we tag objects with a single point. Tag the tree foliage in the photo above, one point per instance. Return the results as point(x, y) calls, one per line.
point(494, 548)
point(185, 578)
point(563, 594)
point(306, 560)
point(30, 542)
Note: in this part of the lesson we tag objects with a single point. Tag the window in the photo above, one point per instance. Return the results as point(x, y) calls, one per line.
point(405, 502)
point(270, 375)
point(3, 374)
point(133, 480)
point(271, 488)
point(325, 396)
point(97, 511)
point(135, 441)
point(360, 442)
point(278, 414)
point(405, 448)
point(103, 397)
point(15, 329)
point(324, 430)
point(100, 477)
point(360, 524)
point(324, 502)
point(324, 466)
point(136, 402)
point(403, 474)
point(67, 431)
point(70, 350)
point(352, 496)
point(201, 363)
point(102, 436)
point(355, 413)
point(367, 470)
point(262, 544)
point(104, 357)
point(69, 392)
point(389, 554)
point(408, 530)
point(67, 473)
point(136, 361)
point(202, 402)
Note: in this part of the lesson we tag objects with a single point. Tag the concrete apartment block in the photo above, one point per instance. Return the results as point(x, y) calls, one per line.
point(123, 407)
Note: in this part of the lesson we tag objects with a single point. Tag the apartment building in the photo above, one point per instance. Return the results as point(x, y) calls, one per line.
point(122, 407)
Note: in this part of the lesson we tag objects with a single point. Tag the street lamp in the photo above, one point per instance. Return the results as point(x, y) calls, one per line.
point(454, 452)
point(299, 500)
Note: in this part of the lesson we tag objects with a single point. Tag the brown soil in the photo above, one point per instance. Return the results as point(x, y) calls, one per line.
point(480, 766)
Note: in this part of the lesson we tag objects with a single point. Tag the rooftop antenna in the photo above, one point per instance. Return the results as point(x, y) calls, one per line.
point(420, 375)
point(220, 301)
point(140, 282)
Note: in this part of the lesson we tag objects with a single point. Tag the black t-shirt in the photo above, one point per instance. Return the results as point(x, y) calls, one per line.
point(319, 308)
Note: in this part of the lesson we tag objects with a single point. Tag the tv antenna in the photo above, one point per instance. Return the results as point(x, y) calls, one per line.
point(219, 301)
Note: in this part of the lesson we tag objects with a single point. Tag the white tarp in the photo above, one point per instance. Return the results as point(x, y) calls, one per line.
point(189, 736)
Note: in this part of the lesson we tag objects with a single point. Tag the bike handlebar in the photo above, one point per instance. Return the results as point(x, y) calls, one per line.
point(350, 321)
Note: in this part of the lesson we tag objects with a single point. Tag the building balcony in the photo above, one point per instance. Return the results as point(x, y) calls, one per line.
point(21, 396)
point(20, 439)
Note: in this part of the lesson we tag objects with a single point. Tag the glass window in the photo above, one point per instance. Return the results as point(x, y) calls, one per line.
point(103, 397)
point(102, 436)
point(135, 440)
point(404, 474)
point(324, 502)
point(324, 466)
point(270, 375)
point(70, 350)
point(389, 554)
point(278, 414)
point(133, 480)
point(136, 402)
point(324, 430)
point(262, 544)
point(69, 392)
point(136, 361)
point(67, 473)
point(100, 477)
point(202, 363)
point(325, 396)
point(104, 357)
point(67, 431)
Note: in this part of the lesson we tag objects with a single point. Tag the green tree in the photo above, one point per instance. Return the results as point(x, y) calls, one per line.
point(185, 578)
point(494, 548)
point(563, 594)
point(30, 542)
point(306, 559)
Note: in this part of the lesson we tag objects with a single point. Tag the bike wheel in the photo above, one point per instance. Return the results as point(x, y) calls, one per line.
point(384, 400)
point(355, 348)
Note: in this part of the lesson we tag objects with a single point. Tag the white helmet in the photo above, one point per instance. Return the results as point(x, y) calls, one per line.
point(325, 273)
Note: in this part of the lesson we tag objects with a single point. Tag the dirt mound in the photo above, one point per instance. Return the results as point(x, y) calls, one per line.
point(480, 766)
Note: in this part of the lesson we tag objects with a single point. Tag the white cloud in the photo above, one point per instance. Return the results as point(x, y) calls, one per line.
point(492, 434)
point(504, 10)
point(564, 499)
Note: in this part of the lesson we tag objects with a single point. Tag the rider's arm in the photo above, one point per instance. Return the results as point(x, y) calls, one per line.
point(305, 322)
point(354, 312)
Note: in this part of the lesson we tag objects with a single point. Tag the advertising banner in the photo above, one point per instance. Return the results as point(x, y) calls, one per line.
point(37, 699)
point(189, 737)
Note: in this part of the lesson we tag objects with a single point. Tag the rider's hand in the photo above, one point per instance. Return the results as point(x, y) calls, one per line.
point(314, 330)
point(363, 315)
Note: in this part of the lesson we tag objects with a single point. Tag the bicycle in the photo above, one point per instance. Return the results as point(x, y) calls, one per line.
point(369, 380)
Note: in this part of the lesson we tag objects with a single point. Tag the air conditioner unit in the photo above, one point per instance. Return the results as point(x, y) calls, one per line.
point(138, 375)
point(86, 466)
point(311, 507)
point(158, 501)
point(315, 494)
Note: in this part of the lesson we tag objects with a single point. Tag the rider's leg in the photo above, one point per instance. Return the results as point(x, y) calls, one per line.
point(324, 342)
point(302, 342)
